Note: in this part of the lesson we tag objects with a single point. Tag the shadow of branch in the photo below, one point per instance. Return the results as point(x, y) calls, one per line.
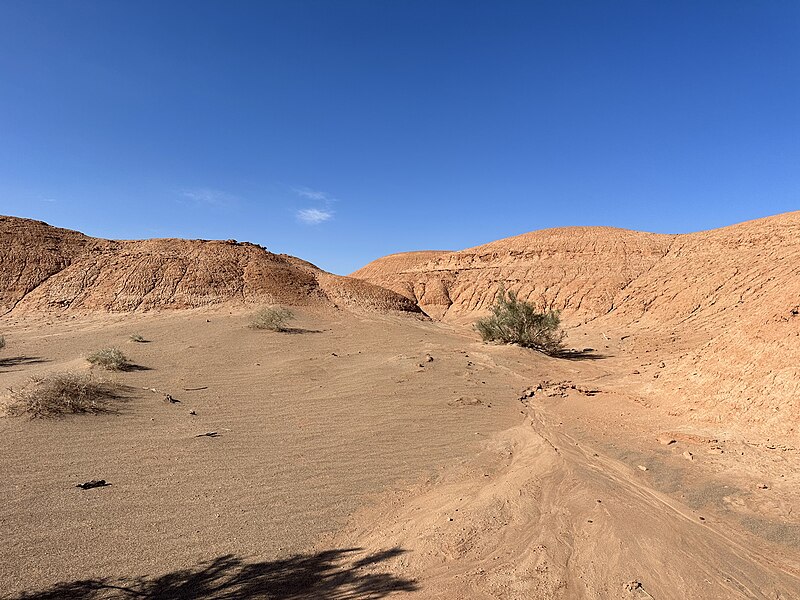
point(14, 361)
point(299, 330)
point(332, 574)
point(572, 354)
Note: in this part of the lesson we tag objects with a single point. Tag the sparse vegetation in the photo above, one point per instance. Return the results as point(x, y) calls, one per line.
point(2, 342)
point(109, 358)
point(273, 318)
point(135, 337)
point(514, 321)
point(62, 393)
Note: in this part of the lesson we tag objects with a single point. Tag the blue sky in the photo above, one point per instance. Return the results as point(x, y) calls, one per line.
point(340, 131)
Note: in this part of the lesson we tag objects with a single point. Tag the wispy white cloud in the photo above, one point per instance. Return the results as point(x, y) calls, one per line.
point(314, 216)
point(49, 200)
point(208, 196)
point(305, 192)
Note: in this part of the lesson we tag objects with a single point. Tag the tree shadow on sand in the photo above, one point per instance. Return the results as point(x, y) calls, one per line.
point(16, 361)
point(300, 330)
point(572, 354)
point(129, 367)
point(333, 575)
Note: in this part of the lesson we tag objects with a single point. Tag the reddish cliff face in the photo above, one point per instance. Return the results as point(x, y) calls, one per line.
point(590, 272)
point(735, 291)
point(576, 269)
point(31, 252)
point(46, 268)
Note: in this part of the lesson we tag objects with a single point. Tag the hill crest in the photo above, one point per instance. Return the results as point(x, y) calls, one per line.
point(49, 268)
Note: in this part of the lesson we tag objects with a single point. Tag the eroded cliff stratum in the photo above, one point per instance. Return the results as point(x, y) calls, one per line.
point(723, 306)
point(47, 268)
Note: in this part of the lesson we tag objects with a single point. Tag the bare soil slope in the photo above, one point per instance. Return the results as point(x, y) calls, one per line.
point(367, 454)
point(734, 291)
point(388, 267)
point(46, 268)
point(587, 272)
point(577, 269)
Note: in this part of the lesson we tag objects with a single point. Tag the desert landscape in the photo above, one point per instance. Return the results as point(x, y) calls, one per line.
point(452, 300)
point(375, 446)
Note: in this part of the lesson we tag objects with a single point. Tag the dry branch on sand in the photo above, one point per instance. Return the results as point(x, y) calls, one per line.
point(62, 393)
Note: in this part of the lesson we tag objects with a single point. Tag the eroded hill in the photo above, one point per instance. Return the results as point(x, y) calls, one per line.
point(722, 306)
point(47, 268)
point(662, 464)
point(580, 269)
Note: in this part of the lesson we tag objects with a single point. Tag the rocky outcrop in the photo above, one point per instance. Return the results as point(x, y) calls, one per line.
point(46, 268)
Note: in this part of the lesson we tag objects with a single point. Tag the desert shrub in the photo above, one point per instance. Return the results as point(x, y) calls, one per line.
point(514, 321)
point(109, 358)
point(273, 318)
point(2, 342)
point(62, 393)
point(135, 337)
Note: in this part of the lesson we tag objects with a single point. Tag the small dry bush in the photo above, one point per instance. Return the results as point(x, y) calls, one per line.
point(273, 318)
point(515, 321)
point(62, 393)
point(135, 337)
point(2, 342)
point(109, 358)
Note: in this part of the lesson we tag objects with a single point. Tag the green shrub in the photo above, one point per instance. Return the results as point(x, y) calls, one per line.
point(109, 358)
point(273, 318)
point(62, 393)
point(514, 321)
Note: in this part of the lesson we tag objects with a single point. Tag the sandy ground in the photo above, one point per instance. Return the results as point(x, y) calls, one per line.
point(599, 493)
point(347, 465)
